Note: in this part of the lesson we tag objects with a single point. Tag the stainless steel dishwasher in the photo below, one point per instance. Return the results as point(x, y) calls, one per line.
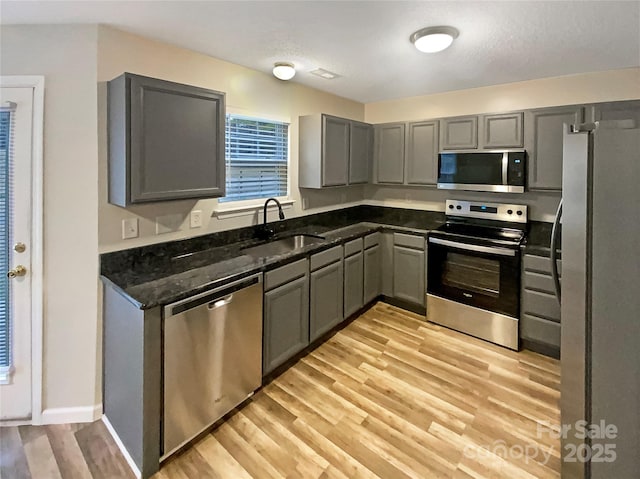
point(212, 357)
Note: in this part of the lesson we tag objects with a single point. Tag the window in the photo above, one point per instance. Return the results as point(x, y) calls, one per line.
point(5, 212)
point(256, 153)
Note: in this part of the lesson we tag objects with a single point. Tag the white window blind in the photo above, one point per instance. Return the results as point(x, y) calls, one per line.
point(257, 151)
point(5, 220)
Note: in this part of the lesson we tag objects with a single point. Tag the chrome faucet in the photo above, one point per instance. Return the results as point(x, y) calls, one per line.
point(263, 232)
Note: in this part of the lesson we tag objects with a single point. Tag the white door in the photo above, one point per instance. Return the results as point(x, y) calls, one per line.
point(16, 147)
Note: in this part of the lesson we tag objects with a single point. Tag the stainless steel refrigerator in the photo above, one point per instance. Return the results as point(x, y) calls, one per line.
point(600, 299)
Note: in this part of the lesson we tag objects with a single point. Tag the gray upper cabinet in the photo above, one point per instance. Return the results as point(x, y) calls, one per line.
point(543, 142)
point(459, 133)
point(333, 151)
point(361, 150)
point(166, 141)
point(618, 110)
point(421, 166)
point(326, 295)
point(389, 153)
point(502, 130)
point(286, 317)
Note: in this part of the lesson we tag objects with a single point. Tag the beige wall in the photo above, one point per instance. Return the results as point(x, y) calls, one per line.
point(247, 91)
point(567, 90)
point(66, 56)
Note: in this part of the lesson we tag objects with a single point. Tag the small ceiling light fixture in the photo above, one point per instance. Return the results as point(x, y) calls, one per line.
point(433, 39)
point(284, 71)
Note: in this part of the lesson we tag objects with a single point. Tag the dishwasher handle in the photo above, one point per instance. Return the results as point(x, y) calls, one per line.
point(213, 299)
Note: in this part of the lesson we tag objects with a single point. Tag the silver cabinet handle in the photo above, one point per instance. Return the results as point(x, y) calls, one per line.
point(473, 247)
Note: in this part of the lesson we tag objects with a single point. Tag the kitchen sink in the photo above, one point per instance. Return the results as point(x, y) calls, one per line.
point(282, 245)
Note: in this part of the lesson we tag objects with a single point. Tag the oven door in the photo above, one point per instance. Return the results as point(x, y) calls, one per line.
point(486, 277)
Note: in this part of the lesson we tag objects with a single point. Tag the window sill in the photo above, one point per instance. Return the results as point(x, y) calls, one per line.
point(249, 209)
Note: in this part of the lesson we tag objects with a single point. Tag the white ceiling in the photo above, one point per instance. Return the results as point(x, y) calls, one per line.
point(367, 42)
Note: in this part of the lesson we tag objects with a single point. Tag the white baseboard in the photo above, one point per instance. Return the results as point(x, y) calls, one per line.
point(65, 415)
point(120, 445)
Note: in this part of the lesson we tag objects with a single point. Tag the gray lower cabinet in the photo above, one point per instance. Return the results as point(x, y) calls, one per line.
point(459, 133)
point(421, 167)
point(540, 310)
point(166, 141)
point(409, 268)
point(543, 142)
point(502, 130)
point(353, 277)
point(360, 152)
point(389, 147)
point(132, 377)
point(286, 317)
point(326, 298)
point(372, 270)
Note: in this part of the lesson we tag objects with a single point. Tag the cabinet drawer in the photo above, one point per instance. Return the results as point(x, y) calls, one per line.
point(284, 274)
point(539, 263)
point(540, 330)
point(408, 241)
point(326, 257)
point(372, 240)
point(352, 247)
point(539, 281)
point(541, 304)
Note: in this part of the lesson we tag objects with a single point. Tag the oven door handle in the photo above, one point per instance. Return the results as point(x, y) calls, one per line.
point(474, 247)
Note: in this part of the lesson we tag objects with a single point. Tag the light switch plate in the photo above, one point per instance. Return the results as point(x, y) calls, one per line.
point(168, 223)
point(130, 228)
point(196, 219)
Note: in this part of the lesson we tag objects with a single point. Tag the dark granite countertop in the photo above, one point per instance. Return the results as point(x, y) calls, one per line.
point(539, 239)
point(161, 274)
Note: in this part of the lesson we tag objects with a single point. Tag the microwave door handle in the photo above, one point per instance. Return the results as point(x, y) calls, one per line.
point(505, 168)
point(473, 247)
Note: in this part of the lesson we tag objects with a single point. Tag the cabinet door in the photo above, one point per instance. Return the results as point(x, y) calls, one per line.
point(372, 276)
point(422, 153)
point(502, 131)
point(335, 150)
point(286, 322)
point(617, 110)
point(389, 152)
point(408, 274)
point(325, 299)
point(459, 133)
point(176, 141)
point(543, 142)
point(353, 284)
point(360, 152)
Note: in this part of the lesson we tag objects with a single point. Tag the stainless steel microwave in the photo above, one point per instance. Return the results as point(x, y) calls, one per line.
point(501, 171)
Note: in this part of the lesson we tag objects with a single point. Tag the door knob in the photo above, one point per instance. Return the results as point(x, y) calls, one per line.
point(17, 271)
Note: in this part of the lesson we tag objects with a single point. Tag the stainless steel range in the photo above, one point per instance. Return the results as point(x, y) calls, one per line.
point(474, 270)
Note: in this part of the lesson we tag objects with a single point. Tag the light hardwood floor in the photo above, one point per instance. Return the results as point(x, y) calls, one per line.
point(389, 396)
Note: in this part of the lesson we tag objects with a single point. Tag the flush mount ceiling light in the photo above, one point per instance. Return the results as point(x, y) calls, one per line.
point(284, 71)
point(433, 39)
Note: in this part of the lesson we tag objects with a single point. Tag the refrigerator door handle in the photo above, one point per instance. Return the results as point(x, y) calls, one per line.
point(554, 252)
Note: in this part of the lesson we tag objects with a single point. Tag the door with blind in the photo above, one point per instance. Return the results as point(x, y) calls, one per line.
point(16, 128)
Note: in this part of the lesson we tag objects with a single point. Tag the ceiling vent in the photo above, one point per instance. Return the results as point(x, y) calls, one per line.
point(326, 74)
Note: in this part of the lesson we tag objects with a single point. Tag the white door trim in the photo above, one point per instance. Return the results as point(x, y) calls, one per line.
point(37, 83)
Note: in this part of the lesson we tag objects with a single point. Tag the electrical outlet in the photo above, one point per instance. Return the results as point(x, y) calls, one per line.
point(196, 219)
point(130, 228)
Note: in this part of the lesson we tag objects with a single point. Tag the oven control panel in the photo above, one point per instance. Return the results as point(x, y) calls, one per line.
point(486, 210)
